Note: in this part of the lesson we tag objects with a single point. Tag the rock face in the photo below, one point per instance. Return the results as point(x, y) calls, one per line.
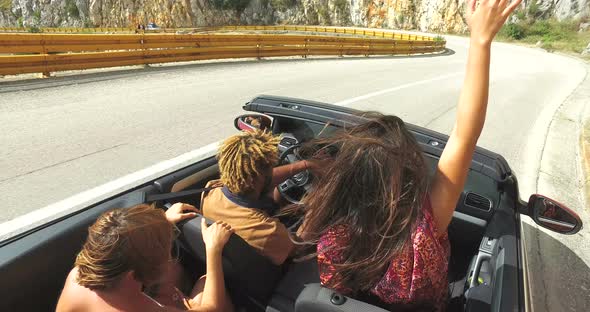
point(426, 15)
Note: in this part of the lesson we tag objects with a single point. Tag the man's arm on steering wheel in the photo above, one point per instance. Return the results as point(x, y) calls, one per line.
point(282, 173)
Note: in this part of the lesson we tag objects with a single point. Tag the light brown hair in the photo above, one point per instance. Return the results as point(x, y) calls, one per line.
point(137, 239)
point(374, 189)
point(245, 157)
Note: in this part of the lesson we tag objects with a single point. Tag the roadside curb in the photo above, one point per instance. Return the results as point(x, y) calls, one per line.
point(564, 175)
point(565, 159)
point(585, 155)
point(584, 147)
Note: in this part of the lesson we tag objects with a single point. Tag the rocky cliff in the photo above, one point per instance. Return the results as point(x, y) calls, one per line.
point(425, 15)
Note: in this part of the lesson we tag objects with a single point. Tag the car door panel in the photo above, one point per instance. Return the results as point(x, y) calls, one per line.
point(34, 267)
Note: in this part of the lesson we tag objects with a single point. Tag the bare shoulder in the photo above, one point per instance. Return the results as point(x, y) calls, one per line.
point(72, 296)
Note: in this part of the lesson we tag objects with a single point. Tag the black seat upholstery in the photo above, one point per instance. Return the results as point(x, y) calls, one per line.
point(300, 291)
point(248, 274)
point(292, 284)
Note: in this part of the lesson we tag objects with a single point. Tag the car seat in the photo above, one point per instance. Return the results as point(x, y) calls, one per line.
point(250, 277)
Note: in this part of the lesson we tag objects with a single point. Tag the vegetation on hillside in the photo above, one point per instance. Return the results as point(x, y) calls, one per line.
point(5, 5)
point(551, 34)
point(238, 5)
point(72, 9)
point(282, 5)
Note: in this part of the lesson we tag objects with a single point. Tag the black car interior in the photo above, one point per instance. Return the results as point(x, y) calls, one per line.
point(484, 273)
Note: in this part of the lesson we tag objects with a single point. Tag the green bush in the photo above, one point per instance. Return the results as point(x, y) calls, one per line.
point(514, 31)
point(520, 15)
point(534, 9)
point(34, 29)
point(72, 9)
point(37, 15)
point(539, 28)
point(550, 30)
point(553, 35)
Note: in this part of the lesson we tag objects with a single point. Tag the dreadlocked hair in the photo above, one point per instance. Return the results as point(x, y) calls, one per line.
point(245, 157)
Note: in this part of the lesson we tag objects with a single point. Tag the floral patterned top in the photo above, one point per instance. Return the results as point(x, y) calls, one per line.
point(415, 278)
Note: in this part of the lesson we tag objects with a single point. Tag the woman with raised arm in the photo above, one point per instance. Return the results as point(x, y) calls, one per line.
point(379, 223)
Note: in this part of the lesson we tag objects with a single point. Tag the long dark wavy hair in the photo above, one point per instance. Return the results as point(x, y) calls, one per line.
point(374, 186)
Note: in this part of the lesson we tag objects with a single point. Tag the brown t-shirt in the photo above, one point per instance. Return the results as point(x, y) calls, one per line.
point(266, 234)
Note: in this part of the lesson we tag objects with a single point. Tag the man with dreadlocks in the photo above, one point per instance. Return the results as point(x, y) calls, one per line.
point(242, 197)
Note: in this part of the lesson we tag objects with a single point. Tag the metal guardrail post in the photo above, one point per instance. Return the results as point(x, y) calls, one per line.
point(45, 73)
point(144, 52)
point(258, 48)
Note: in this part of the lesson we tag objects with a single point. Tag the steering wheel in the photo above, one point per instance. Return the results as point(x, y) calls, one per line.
point(296, 186)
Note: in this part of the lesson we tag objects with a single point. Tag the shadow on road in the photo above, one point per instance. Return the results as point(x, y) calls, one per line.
point(126, 72)
point(558, 278)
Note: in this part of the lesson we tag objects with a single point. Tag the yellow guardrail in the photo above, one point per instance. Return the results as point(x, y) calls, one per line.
point(45, 53)
point(384, 33)
point(68, 30)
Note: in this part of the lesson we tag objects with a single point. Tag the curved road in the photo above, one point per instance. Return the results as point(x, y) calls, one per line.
point(61, 136)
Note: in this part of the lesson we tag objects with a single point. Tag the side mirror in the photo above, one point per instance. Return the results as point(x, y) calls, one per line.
point(553, 215)
point(250, 122)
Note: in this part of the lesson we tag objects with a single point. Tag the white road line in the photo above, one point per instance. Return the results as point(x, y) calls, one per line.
point(404, 86)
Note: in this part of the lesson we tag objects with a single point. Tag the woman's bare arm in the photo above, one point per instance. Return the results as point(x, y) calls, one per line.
point(484, 22)
point(214, 297)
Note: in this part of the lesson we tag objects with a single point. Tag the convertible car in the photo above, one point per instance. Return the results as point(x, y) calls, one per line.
point(487, 271)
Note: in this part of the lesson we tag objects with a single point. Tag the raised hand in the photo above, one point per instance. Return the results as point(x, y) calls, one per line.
point(180, 211)
point(486, 19)
point(216, 235)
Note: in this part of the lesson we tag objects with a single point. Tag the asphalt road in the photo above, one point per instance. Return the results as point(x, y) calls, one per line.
point(61, 136)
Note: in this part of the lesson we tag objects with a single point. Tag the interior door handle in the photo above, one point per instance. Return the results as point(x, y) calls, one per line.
point(481, 257)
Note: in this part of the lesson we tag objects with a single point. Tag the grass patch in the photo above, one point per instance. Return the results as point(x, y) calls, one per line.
point(34, 29)
point(554, 35)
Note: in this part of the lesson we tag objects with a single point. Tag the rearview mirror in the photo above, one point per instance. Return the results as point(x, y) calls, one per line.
point(250, 122)
point(553, 215)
